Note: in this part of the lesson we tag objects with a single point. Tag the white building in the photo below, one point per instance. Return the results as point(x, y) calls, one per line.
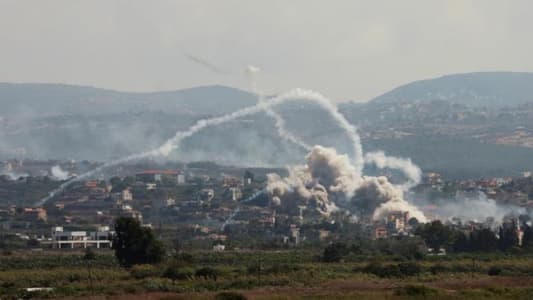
point(82, 239)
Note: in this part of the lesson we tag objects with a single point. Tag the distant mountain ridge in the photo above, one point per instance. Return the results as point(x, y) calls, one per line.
point(24, 98)
point(456, 124)
point(493, 89)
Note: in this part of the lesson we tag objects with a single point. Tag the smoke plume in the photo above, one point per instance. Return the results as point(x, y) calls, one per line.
point(330, 180)
point(410, 170)
point(477, 208)
point(58, 173)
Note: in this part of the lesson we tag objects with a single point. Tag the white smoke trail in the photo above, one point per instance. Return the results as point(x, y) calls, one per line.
point(296, 94)
point(93, 172)
point(251, 72)
point(236, 211)
point(410, 170)
point(174, 142)
point(279, 123)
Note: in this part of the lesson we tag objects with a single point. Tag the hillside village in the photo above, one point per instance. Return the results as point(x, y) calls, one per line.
point(205, 206)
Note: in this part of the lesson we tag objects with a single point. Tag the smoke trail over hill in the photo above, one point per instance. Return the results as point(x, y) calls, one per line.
point(251, 72)
point(174, 142)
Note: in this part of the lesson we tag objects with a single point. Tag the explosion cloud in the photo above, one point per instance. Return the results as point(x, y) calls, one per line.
point(331, 180)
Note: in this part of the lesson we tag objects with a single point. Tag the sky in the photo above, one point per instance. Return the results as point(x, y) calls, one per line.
point(346, 49)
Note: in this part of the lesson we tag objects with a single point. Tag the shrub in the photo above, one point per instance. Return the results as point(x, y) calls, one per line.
point(184, 258)
point(334, 252)
point(494, 271)
point(144, 271)
point(253, 269)
point(177, 273)
point(383, 271)
point(437, 269)
point(409, 268)
point(229, 296)
point(416, 290)
point(207, 273)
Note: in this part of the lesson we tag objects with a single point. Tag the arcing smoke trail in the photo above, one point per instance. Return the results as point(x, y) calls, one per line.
point(279, 123)
point(251, 72)
point(236, 211)
point(92, 172)
point(174, 142)
point(295, 94)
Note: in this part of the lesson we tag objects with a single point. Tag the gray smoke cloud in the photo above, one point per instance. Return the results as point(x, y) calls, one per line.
point(330, 180)
point(58, 173)
point(476, 208)
point(405, 165)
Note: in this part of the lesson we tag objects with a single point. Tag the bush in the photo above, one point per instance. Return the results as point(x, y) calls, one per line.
point(207, 273)
point(437, 269)
point(184, 258)
point(177, 273)
point(409, 269)
point(494, 271)
point(334, 252)
point(399, 270)
point(416, 290)
point(144, 271)
point(383, 271)
point(229, 296)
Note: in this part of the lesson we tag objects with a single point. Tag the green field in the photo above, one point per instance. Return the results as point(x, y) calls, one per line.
point(288, 274)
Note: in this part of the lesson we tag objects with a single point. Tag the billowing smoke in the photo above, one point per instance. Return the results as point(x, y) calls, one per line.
point(411, 171)
point(58, 173)
point(387, 198)
point(330, 180)
point(477, 208)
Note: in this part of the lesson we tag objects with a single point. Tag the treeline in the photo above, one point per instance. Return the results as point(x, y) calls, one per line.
point(435, 236)
point(508, 237)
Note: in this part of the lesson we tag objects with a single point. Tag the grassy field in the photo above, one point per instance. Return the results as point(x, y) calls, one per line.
point(267, 275)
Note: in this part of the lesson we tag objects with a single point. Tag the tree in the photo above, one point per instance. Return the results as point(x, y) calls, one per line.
point(508, 237)
point(335, 252)
point(135, 244)
point(527, 239)
point(435, 234)
point(483, 240)
point(461, 243)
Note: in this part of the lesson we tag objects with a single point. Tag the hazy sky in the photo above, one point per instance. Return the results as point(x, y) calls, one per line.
point(348, 50)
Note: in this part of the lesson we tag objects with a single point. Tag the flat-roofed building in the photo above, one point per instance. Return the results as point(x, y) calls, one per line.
point(102, 238)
